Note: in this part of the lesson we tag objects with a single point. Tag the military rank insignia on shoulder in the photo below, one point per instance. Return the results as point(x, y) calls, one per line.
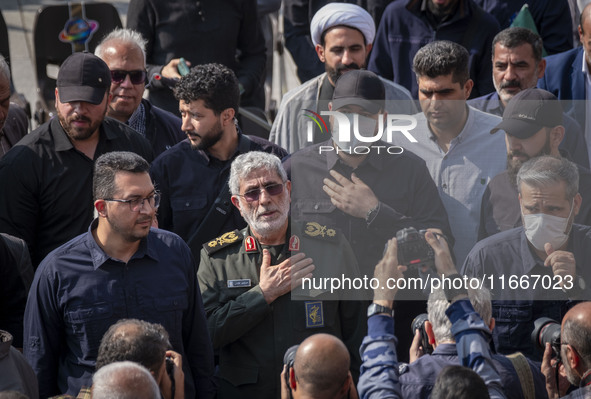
point(222, 241)
point(321, 232)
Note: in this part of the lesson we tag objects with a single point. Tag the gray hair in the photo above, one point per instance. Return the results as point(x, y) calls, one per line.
point(127, 36)
point(247, 163)
point(517, 36)
point(438, 304)
point(440, 58)
point(576, 334)
point(4, 68)
point(546, 171)
point(124, 380)
point(107, 166)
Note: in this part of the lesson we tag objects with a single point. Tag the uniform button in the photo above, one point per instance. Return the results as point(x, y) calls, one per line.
point(187, 203)
point(175, 303)
point(444, 185)
point(316, 207)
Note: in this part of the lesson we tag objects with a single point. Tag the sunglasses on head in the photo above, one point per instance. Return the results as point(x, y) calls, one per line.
point(271, 189)
point(136, 77)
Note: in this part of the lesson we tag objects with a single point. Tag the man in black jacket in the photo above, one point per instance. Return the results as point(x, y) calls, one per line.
point(123, 50)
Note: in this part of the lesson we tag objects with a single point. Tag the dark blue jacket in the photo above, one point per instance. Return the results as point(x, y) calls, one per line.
point(573, 143)
point(163, 129)
point(552, 18)
point(565, 79)
point(405, 28)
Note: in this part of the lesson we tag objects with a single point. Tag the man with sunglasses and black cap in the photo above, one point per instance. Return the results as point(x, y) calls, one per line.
point(255, 299)
point(47, 176)
point(123, 50)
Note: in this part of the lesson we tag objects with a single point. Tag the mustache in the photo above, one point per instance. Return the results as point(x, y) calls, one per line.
point(510, 83)
point(342, 67)
point(80, 118)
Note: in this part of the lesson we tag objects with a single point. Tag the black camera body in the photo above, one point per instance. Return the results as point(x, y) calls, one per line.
point(413, 249)
point(545, 331)
point(418, 323)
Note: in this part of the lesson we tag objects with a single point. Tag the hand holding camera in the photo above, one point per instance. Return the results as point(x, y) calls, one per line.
point(172, 383)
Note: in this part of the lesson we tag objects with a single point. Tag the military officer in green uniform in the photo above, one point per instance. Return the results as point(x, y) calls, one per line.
point(251, 282)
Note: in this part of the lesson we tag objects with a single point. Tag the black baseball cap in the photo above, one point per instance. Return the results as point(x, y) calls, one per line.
point(83, 77)
point(529, 111)
point(359, 87)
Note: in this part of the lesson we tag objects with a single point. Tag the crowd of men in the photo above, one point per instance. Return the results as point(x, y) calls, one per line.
point(417, 223)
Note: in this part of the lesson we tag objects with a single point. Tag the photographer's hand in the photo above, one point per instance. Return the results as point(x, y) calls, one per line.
point(443, 260)
point(549, 370)
point(386, 269)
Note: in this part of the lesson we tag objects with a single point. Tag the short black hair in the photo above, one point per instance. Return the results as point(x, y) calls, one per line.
point(442, 58)
point(515, 37)
point(458, 382)
point(107, 166)
point(215, 84)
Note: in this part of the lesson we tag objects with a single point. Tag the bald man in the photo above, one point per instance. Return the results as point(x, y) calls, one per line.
point(321, 369)
point(575, 352)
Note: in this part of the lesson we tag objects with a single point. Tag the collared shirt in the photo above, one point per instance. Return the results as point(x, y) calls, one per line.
point(190, 180)
point(461, 174)
point(137, 120)
point(506, 254)
point(501, 211)
point(79, 292)
point(47, 198)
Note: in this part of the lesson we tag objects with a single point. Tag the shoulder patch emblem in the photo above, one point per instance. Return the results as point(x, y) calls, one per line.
point(222, 241)
point(314, 314)
point(314, 229)
point(294, 243)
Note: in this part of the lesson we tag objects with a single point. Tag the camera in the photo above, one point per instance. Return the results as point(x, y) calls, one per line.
point(288, 360)
point(170, 372)
point(413, 249)
point(545, 331)
point(419, 324)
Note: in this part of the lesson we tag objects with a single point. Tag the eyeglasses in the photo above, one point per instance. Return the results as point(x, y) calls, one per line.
point(271, 189)
point(136, 204)
point(136, 77)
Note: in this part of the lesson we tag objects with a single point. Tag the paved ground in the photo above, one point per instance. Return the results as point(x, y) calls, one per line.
point(20, 17)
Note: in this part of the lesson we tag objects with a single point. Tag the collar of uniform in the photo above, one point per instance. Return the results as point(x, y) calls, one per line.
point(246, 232)
point(332, 158)
point(99, 257)
point(242, 147)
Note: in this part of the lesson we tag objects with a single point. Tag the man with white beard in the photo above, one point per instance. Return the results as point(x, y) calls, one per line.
point(251, 283)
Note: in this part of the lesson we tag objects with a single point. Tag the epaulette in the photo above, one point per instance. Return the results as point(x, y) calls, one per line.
point(320, 232)
point(222, 241)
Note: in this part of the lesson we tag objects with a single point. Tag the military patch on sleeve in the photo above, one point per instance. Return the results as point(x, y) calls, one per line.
point(314, 314)
point(222, 241)
point(316, 230)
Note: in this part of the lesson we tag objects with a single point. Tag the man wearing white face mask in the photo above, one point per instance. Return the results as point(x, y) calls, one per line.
point(543, 264)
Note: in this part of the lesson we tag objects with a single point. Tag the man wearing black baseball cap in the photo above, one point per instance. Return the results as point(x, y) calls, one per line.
point(369, 190)
point(48, 175)
point(533, 126)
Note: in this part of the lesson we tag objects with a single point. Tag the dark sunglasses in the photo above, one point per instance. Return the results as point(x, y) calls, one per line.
point(136, 77)
point(255, 194)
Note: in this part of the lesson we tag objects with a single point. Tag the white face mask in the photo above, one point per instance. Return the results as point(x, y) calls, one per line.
point(366, 127)
point(541, 228)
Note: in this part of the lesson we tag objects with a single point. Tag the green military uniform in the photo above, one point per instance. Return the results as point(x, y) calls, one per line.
point(252, 336)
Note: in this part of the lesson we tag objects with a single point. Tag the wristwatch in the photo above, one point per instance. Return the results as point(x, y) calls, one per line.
point(372, 213)
point(374, 308)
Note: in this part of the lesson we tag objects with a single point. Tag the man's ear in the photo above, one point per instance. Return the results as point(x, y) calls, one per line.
point(429, 331)
point(228, 116)
point(572, 357)
point(292, 379)
point(320, 52)
point(492, 323)
point(346, 386)
point(236, 202)
point(101, 207)
point(556, 135)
